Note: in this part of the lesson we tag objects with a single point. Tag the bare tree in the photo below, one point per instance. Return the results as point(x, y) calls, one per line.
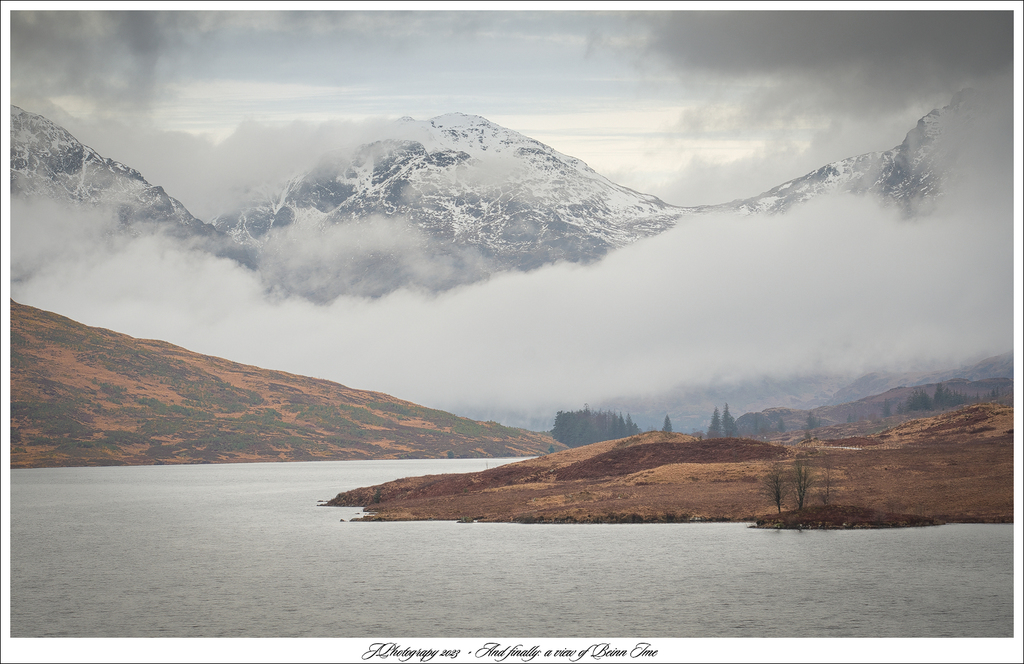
point(827, 481)
point(803, 479)
point(775, 485)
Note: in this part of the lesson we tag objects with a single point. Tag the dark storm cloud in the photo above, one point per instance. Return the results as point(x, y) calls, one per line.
point(761, 43)
point(837, 56)
point(107, 55)
point(128, 55)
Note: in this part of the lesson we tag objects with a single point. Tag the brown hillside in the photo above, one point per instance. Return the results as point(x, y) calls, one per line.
point(627, 460)
point(952, 467)
point(87, 396)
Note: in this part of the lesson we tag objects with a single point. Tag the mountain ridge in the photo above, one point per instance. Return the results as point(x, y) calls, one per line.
point(48, 162)
point(452, 200)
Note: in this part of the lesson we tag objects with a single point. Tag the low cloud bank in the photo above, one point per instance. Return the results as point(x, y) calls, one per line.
point(838, 285)
point(366, 258)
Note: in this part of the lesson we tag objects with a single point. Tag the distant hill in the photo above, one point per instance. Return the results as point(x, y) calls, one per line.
point(83, 396)
point(998, 366)
point(690, 407)
point(872, 413)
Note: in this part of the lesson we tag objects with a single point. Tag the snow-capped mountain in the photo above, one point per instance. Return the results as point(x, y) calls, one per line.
point(467, 182)
point(449, 201)
point(913, 173)
point(48, 162)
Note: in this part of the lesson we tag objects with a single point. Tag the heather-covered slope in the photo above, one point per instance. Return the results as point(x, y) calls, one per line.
point(88, 396)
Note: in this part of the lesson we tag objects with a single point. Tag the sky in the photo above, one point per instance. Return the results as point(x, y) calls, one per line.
point(693, 107)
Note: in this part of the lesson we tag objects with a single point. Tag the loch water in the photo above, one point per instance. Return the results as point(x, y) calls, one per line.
point(243, 550)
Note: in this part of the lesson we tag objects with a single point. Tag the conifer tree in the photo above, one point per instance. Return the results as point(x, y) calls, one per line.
point(918, 400)
point(668, 424)
point(947, 398)
point(715, 430)
point(728, 423)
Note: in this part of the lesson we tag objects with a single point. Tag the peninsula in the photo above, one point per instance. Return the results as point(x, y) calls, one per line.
point(953, 467)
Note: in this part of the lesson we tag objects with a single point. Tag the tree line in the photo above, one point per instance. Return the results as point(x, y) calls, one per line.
point(942, 399)
point(583, 427)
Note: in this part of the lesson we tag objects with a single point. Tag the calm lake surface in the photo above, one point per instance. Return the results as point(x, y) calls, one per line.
point(243, 550)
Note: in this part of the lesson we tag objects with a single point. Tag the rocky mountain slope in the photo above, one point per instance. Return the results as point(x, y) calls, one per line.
point(88, 396)
point(48, 162)
point(467, 181)
point(952, 467)
point(910, 176)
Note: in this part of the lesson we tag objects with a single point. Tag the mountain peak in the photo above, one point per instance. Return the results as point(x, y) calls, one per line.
point(473, 134)
point(457, 118)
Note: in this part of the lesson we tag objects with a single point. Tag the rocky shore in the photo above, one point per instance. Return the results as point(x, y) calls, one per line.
point(842, 517)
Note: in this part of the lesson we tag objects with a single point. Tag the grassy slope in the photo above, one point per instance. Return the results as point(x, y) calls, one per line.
point(88, 396)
